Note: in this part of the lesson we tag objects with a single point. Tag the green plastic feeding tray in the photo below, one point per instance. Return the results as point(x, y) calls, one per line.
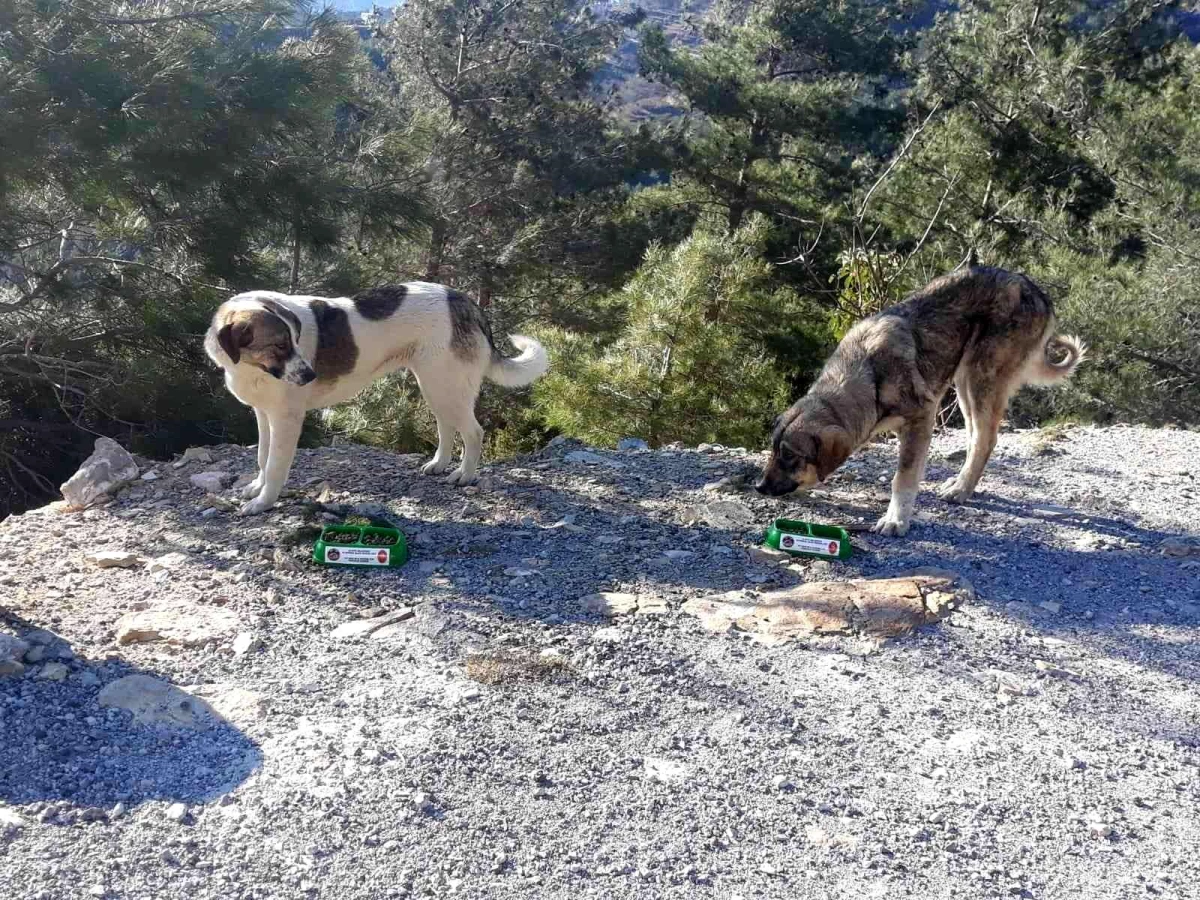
point(807, 539)
point(360, 545)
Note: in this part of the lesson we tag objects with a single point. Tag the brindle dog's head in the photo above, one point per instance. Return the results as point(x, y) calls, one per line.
point(266, 337)
point(805, 449)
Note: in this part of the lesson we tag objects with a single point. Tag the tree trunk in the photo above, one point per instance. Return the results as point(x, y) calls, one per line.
point(485, 287)
point(758, 137)
point(437, 247)
point(295, 283)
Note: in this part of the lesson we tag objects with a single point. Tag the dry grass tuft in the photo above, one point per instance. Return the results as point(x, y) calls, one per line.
point(507, 666)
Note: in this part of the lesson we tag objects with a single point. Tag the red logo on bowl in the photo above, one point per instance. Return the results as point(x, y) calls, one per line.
point(382, 557)
point(788, 542)
point(332, 555)
point(833, 548)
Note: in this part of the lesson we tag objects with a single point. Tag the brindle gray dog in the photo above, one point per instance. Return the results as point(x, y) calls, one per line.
point(986, 330)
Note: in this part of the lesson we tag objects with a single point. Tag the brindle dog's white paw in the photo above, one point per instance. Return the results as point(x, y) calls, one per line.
point(433, 467)
point(889, 526)
point(952, 491)
point(251, 490)
point(254, 507)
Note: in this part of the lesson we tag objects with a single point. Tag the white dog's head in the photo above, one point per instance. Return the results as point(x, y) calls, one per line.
point(264, 334)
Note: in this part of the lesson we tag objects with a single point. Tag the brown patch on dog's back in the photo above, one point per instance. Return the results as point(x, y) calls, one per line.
point(337, 353)
point(381, 302)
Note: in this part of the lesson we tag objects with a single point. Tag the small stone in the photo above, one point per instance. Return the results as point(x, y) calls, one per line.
point(211, 482)
point(1179, 547)
point(53, 671)
point(782, 783)
point(200, 454)
point(422, 802)
point(1051, 606)
point(818, 836)
point(152, 475)
point(177, 622)
point(109, 468)
point(587, 457)
point(88, 679)
point(1052, 670)
point(284, 561)
point(113, 559)
point(362, 627)
point(652, 606)
point(177, 812)
point(664, 770)
point(768, 556)
point(12, 651)
point(35, 655)
point(609, 603)
point(245, 643)
point(725, 514)
point(678, 555)
point(154, 702)
point(1100, 829)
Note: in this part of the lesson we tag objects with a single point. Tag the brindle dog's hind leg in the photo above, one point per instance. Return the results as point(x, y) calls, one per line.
point(914, 449)
point(987, 394)
point(962, 391)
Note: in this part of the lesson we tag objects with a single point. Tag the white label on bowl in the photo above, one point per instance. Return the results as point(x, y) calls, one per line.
point(795, 543)
point(358, 556)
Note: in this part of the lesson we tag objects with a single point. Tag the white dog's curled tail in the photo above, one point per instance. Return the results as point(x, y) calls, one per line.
point(530, 363)
point(1067, 350)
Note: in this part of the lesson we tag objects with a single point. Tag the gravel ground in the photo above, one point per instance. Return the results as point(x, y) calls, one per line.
point(483, 736)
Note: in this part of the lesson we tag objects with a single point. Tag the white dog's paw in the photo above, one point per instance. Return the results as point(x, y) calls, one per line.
point(252, 490)
point(255, 506)
point(953, 491)
point(460, 478)
point(433, 467)
point(891, 526)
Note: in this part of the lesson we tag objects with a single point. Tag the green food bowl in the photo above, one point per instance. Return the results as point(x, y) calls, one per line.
point(806, 539)
point(360, 545)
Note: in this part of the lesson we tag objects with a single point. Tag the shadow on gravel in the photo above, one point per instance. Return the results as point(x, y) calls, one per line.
point(58, 744)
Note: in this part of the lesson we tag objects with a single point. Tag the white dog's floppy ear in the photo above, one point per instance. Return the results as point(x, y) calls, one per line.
point(233, 337)
point(290, 318)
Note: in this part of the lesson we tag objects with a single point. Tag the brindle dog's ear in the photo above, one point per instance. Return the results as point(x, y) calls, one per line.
point(233, 337)
point(833, 448)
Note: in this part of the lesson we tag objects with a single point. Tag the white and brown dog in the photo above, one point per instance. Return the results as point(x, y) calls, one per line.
point(284, 355)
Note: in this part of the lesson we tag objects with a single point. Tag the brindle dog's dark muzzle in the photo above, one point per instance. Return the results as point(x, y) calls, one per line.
point(775, 483)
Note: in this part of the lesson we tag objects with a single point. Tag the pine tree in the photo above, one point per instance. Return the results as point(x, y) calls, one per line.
point(691, 363)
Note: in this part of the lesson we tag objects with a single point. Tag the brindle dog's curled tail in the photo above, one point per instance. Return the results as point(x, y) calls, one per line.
point(1057, 359)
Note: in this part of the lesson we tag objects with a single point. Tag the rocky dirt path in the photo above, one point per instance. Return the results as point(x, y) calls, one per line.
point(189, 707)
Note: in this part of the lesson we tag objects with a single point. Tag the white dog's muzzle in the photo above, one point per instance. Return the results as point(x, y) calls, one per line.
point(297, 371)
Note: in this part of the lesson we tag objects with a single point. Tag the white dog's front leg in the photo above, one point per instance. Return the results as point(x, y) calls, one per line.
point(254, 488)
point(285, 435)
point(445, 449)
